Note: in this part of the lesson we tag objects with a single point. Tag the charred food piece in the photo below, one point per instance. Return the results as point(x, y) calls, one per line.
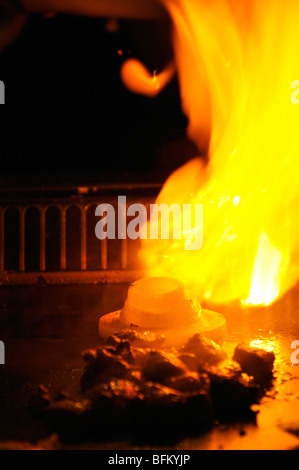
point(67, 415)
point(110, 402)
point(189, 382)
point(103, 364)
point(160, 366)
point(102, 411)
point(232, 391)
point(190, 361)
point(204, 349)
point(120, 347)
point(256, 362)
point(170, 412)
point(39, 400)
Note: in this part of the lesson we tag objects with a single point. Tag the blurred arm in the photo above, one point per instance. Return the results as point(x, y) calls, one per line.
point(105, 8)
point(14, 13)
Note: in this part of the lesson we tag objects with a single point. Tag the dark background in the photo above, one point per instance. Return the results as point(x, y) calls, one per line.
point(69, 118)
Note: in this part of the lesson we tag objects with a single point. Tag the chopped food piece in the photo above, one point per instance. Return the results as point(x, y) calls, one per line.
point(169, 411)
point(159, 366)
point(204, 349)
point(189, 382)
point(256, 362)
point(190, 361)
point(103, 363)
point(232, 391)
point(39, 400)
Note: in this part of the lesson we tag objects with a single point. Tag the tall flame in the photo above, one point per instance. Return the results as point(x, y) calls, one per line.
point(236, 61)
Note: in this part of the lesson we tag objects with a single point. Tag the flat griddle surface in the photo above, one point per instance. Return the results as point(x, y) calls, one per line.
point(45, 329)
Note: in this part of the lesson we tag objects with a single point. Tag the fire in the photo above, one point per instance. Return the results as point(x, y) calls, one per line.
point(139, 80)
point(236, 61)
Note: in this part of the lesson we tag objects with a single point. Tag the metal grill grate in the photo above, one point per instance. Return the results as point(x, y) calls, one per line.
point(48, 236)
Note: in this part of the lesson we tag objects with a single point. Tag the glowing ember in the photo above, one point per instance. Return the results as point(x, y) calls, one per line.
point(236, 63)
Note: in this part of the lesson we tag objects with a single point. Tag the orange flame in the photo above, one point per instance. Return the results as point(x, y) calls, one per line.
point(139, 80)
point(236, 61)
